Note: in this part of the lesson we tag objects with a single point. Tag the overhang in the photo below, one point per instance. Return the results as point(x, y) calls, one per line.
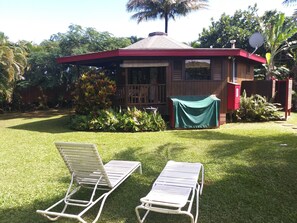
point(95, 59)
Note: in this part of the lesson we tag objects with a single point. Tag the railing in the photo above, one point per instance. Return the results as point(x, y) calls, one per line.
point(141, 94)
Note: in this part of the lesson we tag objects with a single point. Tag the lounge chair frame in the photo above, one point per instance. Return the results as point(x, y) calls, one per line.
point(177, 180)
point(87, 170)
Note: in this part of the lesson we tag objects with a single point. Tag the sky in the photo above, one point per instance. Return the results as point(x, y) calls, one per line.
point(37, 20)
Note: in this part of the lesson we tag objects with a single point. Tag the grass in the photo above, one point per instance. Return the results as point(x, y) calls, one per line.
point(251, 169)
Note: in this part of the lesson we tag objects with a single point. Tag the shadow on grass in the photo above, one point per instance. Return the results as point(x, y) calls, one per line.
point(120, 205)
point(250, 194)
point(248, 179)
point(53, 125)
point(253, 178)
point(35, 114)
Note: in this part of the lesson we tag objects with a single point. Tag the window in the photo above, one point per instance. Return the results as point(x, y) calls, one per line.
point(234, 71)
point(198, 69)
point(147, 75)
point(138, 75)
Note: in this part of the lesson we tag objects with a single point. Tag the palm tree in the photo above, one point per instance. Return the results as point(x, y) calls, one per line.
point(13, 61)
point(13, 58)
point(291, 2)
point(163, 9)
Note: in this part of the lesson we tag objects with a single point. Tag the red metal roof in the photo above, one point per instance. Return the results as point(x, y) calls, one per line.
point(119, 54)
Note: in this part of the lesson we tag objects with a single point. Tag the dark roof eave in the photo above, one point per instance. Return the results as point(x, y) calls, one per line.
point(88, 56)
point(126, 53)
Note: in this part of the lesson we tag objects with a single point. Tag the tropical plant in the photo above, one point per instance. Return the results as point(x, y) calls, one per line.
point(163, 9)
point(13, 61)
point(279, 72)
point(109, 120)
point(277, 33)
point(135, 120)
point(256, 109)
point(93, 91)
point(292, 54)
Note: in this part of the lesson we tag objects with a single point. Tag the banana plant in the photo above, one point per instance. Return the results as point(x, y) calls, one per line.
point(276, 34)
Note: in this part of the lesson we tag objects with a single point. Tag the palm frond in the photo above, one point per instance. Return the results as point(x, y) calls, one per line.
point(168, 9)
point(289, 2)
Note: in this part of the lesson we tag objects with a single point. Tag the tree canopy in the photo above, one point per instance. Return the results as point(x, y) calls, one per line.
point(44, 69)
point(79, 40)
point(238, 27)
point(36, 63)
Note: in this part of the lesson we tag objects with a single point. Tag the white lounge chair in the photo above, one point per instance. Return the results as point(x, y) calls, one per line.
point(87, 170)
point(174, 191)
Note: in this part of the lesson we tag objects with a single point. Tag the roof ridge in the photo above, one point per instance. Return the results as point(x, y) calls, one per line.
point(158, 42)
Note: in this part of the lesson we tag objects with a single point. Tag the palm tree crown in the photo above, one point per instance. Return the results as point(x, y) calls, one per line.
point(289, 1)
point(163, 9)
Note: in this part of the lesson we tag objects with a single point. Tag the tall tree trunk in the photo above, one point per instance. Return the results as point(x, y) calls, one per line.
point(166, 23)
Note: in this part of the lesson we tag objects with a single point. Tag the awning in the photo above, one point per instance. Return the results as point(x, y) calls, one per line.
point(142, 63)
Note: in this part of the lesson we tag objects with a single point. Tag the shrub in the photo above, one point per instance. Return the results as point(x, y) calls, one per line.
point(93, 91)
point(135, 120)
point(130, 120)
point(80, 122)
point(104, 120)
point(256, 108)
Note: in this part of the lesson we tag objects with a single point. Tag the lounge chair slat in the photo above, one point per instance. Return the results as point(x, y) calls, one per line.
point(176, 186)
point(175, 196)
point(87, 169)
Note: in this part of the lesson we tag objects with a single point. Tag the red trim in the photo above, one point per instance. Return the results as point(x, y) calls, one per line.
point(287, 95)
point(89, 56)
point(209, 52)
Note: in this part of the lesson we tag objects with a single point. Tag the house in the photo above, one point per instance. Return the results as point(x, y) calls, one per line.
point(151, 70)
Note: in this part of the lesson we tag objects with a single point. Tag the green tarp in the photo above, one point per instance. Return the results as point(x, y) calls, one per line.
point(195, 111)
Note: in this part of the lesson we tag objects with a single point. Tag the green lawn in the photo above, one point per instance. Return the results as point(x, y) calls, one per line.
point(250, 169)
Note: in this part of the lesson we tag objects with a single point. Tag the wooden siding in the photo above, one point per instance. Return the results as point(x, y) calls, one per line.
point(218, 88)
point(216, 69)
point(245, 71)
point(262, 87)
point(176, 85)
point(220, 68)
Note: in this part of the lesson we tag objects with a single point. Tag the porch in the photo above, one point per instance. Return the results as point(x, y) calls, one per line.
point(141, 95)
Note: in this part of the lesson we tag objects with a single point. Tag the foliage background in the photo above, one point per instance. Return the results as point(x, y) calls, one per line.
point(25, 65)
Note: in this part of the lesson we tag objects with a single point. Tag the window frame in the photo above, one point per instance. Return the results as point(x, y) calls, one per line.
point(209, 75)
